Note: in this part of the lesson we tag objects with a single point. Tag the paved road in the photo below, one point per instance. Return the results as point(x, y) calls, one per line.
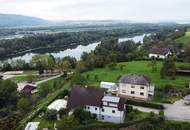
point(54, 77)
point(177, 111)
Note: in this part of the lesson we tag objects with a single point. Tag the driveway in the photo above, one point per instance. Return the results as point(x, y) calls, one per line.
point(177, 111)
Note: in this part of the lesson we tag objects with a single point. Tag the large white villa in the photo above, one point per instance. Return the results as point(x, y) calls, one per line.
point(102, 107)
point(135, 87)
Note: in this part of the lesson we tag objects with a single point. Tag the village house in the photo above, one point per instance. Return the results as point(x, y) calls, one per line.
point(102, 107)
point(135, 87)
point(159, 53)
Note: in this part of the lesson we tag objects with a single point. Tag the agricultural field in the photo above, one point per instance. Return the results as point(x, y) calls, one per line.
point(136, 67)
point(185, 39)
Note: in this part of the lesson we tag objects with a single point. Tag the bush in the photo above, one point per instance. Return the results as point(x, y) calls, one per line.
point(82, 116)
point(50, 114)
point(145, 104)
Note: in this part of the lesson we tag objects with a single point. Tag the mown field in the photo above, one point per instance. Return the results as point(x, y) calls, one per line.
point(185, 39)
point(136, 67)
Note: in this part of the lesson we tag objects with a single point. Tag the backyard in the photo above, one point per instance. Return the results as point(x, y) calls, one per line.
point(136, 67)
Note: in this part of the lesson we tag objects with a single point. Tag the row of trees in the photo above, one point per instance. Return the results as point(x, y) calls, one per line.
point(41, 63)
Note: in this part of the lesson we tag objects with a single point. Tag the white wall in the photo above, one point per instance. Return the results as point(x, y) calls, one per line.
point(92, 109)
point(157, 56)
point(126, 89)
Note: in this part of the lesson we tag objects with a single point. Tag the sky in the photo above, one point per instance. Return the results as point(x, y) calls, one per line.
point(134, 10)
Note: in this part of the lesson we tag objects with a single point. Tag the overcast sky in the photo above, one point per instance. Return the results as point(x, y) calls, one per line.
point(136, 10)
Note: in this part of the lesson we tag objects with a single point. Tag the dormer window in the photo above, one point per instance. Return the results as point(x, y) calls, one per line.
point(132, 86)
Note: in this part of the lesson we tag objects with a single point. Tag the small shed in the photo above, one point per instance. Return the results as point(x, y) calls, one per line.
point(58, 105)
point(32, 126)
point(107, 85)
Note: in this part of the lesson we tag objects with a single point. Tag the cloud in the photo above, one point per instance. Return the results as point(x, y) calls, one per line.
point(138, 10)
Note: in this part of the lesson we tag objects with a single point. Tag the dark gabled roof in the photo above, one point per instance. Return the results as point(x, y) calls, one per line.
point(80, 96)
point(28, 89)
point(135, 79)
point(160, 51)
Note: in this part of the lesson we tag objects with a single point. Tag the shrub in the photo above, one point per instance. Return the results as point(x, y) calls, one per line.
point(145, 104)
point(82, 116)
point(50, 114)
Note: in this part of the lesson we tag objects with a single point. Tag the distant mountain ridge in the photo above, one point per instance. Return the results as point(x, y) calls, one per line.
point(13, 20)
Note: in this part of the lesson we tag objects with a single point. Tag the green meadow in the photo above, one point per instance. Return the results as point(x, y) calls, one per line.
point(135, 67)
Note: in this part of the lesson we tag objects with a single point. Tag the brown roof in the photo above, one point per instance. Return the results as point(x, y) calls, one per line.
point(85, 96)
point(28, 89)
point(135, 79)
point(160, 51)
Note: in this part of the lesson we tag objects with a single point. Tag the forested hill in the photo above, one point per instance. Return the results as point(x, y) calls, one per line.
point(11, 20)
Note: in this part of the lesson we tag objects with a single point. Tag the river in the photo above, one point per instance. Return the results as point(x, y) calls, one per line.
point(78, 51)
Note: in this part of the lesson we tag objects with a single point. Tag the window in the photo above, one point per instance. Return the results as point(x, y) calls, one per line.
point(113, 111)
point(142, 87)
point(142, 94)
point(123, 91)
point(102, 110)
point(132, 86)
point(88, 107)
point(84, 107)
point(102, 117)
point(132, 92)
point(96, 108)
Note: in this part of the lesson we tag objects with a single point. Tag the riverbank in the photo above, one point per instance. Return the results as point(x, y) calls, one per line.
point(73, 50)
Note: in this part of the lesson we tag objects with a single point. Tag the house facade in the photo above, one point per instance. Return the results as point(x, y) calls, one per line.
point(102, 107)
point(135, 87)
point(159, 53)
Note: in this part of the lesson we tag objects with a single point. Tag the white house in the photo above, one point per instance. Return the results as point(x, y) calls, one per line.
point(32, 126)
point(102, 107)
point(159, 53)
point(112, 109)
point(135, 86)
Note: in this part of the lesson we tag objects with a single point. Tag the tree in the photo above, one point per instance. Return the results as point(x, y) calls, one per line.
point(168, 68)
point(153, 65)
point(44, 90)
point(67, 122)
point(82, 116)
point(80, 67)
point(79, 79)
point(64, 66)
point(8, 94)
point(112, 66)
point(50, 114)
point(24, 105)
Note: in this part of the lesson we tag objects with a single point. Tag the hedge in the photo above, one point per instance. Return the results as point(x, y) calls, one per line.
point(112, 126)
point(145, 104)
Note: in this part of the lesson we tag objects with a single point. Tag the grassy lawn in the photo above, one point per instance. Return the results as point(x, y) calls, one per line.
point(137, 67)
point(136, 115)
point(185, 39)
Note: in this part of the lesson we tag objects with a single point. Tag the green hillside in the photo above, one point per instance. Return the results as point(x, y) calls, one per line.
point(185, 39)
